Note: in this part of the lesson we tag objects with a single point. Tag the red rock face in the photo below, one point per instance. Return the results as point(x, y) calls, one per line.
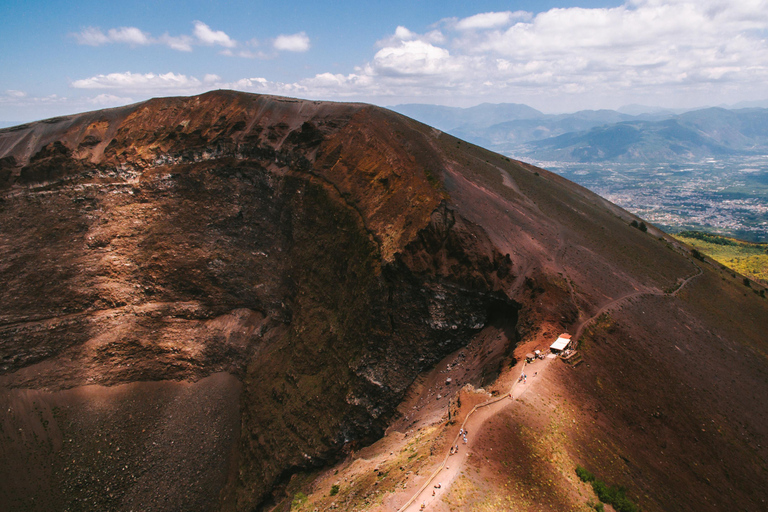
point(280, 271)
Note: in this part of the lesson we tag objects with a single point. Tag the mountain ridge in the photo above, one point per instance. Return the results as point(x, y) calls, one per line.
point(588, 136)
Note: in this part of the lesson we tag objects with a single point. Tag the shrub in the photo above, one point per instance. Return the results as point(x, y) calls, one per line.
point(747, 283)
point(634, 224)
point(697, 254)
point(643, 227)
point(613, 495)
point(584, 475)
point(299, 499)
point(334, 490)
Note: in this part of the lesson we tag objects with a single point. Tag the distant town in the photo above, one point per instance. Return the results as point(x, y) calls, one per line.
point(727, 196)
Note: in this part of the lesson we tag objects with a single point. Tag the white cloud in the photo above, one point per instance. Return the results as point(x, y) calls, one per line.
point(91, 36)
point(109, 100)
point(292, 43)
point(180, 43)
point(202, 34)
point(403, 34)
point(138, 82)
point(665, 52)
point(128, 35)
point(642, 49)
point(19, 98)
point(250, 54)
point(205, 35)
point(487, 20)
point(413, 58)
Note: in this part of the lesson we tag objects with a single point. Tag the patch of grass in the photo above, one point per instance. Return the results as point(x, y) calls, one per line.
point(747, 258)
point(334, 490)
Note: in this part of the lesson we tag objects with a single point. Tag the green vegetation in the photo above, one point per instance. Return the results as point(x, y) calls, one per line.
point(334, 490)
point(584, 474)
point(616, 496)
point(707, 237)
point(298, 500)
point(747, 258)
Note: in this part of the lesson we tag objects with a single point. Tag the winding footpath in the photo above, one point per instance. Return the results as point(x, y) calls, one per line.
point(615, 302)
point(451, 464)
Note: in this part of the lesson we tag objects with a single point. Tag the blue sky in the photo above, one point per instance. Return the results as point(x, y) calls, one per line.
point(61, 57)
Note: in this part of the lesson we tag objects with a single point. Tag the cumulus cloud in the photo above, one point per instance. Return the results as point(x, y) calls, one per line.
point(643, 48)
point(202, 35)
point(128, 35)
point(404, 34)
point(488, 20)
point(93, 36)
point(413, 58)
point(292, 43)
point(205, 35)
point(141, 82)
point(666, 52)
point(180, 43)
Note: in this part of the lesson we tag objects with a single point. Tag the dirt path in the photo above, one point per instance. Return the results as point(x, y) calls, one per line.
point(451, 465)
point(615, 302)
point(688, 280)
point(446, 472)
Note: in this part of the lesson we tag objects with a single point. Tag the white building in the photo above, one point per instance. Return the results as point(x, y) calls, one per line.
point(561, 343)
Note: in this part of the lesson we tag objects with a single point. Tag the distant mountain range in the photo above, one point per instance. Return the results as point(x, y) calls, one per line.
point(602, 135)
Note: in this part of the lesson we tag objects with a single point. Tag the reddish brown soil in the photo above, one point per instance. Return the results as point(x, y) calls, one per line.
point(264, 287)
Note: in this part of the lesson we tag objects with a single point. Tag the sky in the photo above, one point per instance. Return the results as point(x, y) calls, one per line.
point(62, 57)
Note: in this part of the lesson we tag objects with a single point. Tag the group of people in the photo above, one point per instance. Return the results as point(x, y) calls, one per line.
point(463, 433)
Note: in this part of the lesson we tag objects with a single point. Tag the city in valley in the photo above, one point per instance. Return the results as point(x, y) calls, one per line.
point(727, 196)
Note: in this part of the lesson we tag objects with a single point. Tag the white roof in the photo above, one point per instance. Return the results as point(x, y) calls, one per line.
point(560, 343)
